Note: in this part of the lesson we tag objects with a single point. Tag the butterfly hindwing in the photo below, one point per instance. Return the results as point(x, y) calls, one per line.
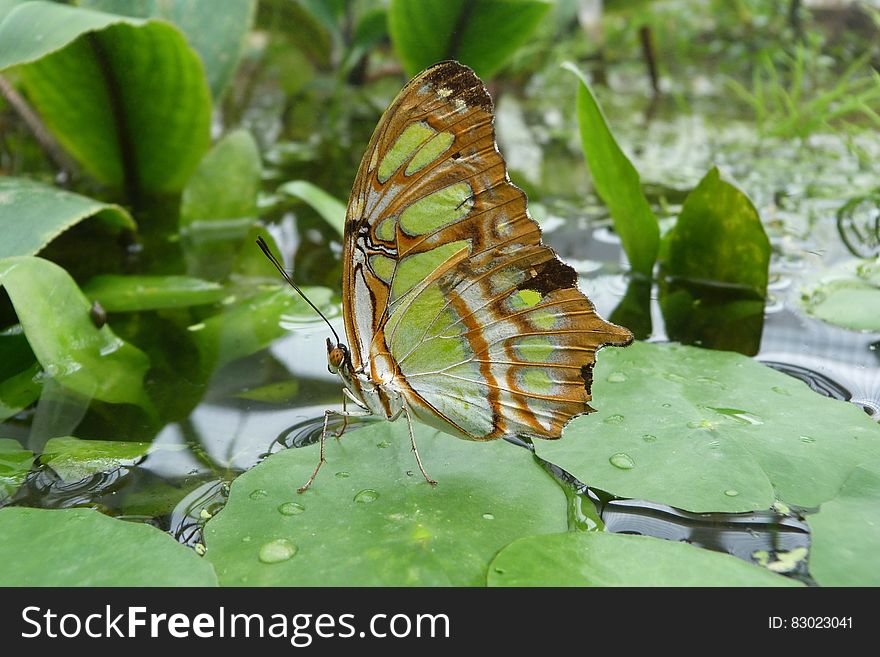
point(449, 291)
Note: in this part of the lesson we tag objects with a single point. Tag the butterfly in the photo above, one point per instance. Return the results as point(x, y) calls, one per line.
point(456, 314)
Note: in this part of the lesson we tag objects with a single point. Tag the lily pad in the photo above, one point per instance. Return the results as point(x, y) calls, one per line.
point(55, 317)
point(710, 431)
point(126, 97)
point(847, 296)
point(370, 519)
point(15, 463)
point(482, 34)
point(617, 182)
point(605, 559)
point(81, 547)
point(846, 532)
point(74, 459)
point(33, 214)
point(120, 294)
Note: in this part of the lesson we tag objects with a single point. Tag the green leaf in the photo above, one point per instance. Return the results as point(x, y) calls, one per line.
point(121, 294)
point(727, 318)
point(482, 34)
point(74, 459)
point(719, 238)
point(331, 209)
point(15, 463)
point(617, 182)
point(127, 98)
point(710, 431)
point(81, 547)
point(219, 205)
point(217, 36)
point(846, 532)
point(283, 392)
point(33, 214)
point(370, 519)
point(224, 186)
point(847, 296)
point(20, 391)
point(55, 317)
point(604, 559)
point(251, 263)
point(252, 325)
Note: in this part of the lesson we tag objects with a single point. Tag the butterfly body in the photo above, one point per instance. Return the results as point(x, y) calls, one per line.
point(456, 314)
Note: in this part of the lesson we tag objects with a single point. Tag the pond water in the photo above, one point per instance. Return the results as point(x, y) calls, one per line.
point(275, 398)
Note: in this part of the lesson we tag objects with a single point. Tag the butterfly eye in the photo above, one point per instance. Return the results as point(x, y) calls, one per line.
point(336, 357)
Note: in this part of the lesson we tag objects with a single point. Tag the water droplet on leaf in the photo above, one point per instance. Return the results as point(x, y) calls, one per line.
point(622, 461)
point(488, 516)
point(291, 508)
point(258, 494)
point(366, 496)
point(343, 474)
point(730, 492)
point(276, 551)
point(616, 377)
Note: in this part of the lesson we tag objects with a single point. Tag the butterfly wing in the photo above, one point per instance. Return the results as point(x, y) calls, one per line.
point(449, 291)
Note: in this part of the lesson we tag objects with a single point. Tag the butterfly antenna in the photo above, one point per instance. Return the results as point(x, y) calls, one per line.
point(265, 249)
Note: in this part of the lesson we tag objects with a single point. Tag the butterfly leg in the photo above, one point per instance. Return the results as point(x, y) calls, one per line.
point(412, 439)
point(345, 414)
point(304, 487)
point(341, 430)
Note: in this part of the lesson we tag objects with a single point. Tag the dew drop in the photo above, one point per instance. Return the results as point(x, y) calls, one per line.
point(807, 439)
point(616, 377)
point(665, 405)
point(291, 509)
point(245, 539)
point(276, 551)
point(258, 494)
point(342, 474)
point(622, 461)
point(366, 496)
point(383, 445)
point(675, 378)
point(488, 516)
point(614, 419)
point(648, 438)
point(730, 492)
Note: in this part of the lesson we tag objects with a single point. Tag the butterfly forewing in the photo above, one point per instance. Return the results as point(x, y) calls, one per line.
point(449, 292)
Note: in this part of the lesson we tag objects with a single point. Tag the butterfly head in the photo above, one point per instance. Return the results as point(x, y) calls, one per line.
point(337, 356)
